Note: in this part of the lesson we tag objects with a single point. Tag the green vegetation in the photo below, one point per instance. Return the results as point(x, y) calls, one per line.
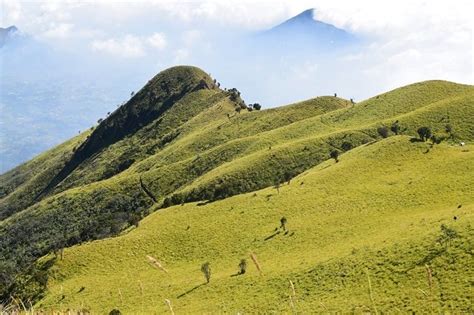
point(338, 230)
point(184, 144)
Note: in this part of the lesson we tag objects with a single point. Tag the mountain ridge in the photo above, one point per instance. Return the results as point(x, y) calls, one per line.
point(140, 110)
point(205, 146)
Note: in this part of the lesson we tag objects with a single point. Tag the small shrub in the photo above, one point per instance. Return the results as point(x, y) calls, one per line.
point(447, 235)
point(448, 128)
point(437, 139)
point(283, 222)
point(257, 106)
point(242, 266)
point(395, 128)
point(206, 270)
point(277, 187)
point(382, 131)
point(346, 146)
point(334, 155)
point(424, 133)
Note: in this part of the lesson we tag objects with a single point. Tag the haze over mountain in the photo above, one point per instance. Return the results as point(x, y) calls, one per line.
point(40, 83)
point(68, 69)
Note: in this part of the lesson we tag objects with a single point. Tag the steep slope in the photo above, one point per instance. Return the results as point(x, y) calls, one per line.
point(149, 107)
point(148, 104)
point(374, 209)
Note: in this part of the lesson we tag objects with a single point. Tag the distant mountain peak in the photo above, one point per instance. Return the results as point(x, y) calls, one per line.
point(8, 30)
point(7, 33)
point(304, 30)
point(12, 28)
point(306, 18)
point(306, 14)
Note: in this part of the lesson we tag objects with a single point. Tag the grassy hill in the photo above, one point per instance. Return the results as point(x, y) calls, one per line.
point(182, 139)
point(385, 217)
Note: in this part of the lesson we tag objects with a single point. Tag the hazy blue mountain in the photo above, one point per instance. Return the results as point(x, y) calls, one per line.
point(6, 34)
point(48, 95)
point(303, 31)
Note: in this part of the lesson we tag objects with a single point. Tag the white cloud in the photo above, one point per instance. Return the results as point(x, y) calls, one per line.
point(181, 55)
point(11, 12)
point(60, 31)
point(128, 46)
point(191, 37)
point(157, 41)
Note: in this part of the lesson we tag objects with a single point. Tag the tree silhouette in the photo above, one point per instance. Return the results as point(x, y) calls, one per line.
point(424, 133)
point(334, 155)
point(242, 266)
point(206, 270)
point(395, 128)
point(283, 222)
point(382, 131)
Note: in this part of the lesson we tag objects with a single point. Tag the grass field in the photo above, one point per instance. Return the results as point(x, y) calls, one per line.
point(181, 157)
point(384, 217)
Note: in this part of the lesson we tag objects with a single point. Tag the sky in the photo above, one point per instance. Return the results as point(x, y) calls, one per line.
point(408, 40)
point(85, 57)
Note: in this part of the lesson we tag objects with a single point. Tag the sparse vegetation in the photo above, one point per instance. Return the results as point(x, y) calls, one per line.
point(447, 235)
point(283, 222)
point(395, 128)
point(382, 131)
point(242, 266)
point(346, 146)
point(206, 270)
point(334, 155)
point(424, 133)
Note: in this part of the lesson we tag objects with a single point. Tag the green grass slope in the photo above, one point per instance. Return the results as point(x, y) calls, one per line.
point(379, 210)
point(103, 208)
point(153, 107)
point(19, 186)
point(181, 140)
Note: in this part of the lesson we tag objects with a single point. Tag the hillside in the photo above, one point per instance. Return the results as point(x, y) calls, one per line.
point(336, 230)
point(182, 140)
